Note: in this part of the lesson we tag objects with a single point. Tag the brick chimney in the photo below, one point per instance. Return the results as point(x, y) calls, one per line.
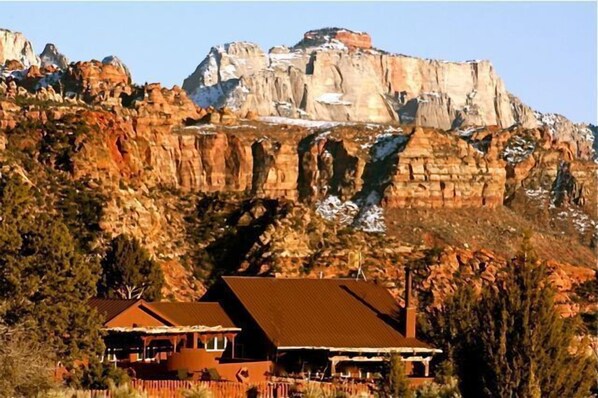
point(410, 311)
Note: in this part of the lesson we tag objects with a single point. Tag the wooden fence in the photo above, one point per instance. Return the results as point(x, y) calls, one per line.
point(174, 389)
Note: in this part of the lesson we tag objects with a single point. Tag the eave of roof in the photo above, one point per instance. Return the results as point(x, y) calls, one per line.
point(386, 350)
point(207, 315)
point(171, 329)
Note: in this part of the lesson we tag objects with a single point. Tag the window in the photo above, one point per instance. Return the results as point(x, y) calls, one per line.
point(216, 344)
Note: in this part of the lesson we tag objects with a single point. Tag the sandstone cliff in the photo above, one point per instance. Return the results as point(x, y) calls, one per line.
point(336, 74)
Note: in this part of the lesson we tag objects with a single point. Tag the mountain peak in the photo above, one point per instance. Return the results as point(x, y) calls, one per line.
point(340, 36)
point(51, 56)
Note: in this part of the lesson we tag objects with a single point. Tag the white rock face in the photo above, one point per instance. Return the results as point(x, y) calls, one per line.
point(324, 79)
point(216, 81)
point(14, 46)
point(51, 56)
point(334, 74)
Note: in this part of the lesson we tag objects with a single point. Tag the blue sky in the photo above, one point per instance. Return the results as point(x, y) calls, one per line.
point(545, 52)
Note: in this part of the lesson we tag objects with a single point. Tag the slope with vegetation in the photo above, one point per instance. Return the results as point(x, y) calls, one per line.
point(133, 191)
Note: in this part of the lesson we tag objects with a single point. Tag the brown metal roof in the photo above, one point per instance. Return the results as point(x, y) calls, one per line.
point(179, 314)
point(109, 308)
point(194, 314)
point(323, 313)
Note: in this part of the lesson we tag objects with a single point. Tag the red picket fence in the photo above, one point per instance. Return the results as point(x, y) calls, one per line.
point(222, 389)
point(174, 388)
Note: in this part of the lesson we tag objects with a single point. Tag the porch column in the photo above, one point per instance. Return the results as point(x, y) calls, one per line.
point(332, 367)
point(194, 341)
point(233, 347)
point(144, 346)
point(426, 368)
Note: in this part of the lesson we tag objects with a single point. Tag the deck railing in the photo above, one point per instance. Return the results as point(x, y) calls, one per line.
point(175, 388)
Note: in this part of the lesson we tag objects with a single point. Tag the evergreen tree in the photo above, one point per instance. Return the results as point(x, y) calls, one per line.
point(509, 341)
point(44, 282)
point(128, 271)
point(526, 348)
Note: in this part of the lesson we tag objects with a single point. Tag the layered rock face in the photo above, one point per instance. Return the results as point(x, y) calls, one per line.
point(436, 170)
point(423, 171)
point(15, 47)
point(92, 78)
point(336, 74)
point(169, 169)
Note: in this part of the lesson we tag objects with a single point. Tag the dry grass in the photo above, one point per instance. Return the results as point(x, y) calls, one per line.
point(499, 230)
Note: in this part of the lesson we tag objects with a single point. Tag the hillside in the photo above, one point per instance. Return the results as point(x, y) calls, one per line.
point(417, 160)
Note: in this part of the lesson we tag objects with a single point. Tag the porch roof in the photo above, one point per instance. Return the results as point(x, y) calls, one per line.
point(162, 317)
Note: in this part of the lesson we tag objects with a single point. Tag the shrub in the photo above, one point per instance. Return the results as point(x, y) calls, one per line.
point(314, 390)
point(98, 376)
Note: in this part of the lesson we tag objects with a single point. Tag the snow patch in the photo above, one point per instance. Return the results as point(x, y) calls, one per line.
point(368, 217)
point(332, 99)
point(206, 96)
point(228, 72)
point(48, 80)
point(468, 132)
point(518, 149)
point(386, 144)
point(300, 122)
point(371, 219)
point(333, 209)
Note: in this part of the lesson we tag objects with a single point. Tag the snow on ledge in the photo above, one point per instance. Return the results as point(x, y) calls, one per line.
point(332, 99)
point(300, 122)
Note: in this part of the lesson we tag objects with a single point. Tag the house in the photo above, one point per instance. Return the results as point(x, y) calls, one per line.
point(160, 340)
point(296, 327)
point(333, 328)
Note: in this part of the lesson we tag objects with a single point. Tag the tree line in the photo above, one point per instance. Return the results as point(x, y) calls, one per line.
point(46, 281)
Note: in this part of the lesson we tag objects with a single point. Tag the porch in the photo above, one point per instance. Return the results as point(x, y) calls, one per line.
point(355, 366)
point(171, 353)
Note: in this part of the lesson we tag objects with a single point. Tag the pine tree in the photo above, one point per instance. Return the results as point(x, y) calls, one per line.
point(526, 348)
point(44, 283)
point(508, 340)
point(128, 271)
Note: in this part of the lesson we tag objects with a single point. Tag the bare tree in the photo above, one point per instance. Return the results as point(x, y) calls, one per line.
point(26, 365)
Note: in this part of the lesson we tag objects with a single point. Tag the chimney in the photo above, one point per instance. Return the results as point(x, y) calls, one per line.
point(410, 311)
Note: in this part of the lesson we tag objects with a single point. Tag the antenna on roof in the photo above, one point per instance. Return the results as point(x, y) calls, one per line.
point(355, 260)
